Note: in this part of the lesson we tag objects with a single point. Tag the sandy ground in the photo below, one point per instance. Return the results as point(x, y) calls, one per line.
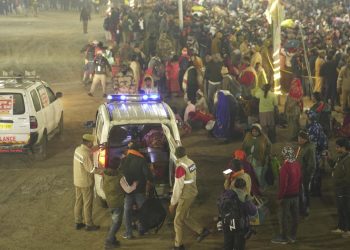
point(36, 198)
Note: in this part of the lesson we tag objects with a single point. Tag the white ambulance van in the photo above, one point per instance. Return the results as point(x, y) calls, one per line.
point(31, 113)
point(137, 117)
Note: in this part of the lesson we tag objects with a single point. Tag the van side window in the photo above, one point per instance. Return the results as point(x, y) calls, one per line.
point(51, 95)
point(35, 99)
point(44, 98)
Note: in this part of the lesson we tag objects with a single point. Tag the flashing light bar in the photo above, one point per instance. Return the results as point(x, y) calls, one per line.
point(133, 98)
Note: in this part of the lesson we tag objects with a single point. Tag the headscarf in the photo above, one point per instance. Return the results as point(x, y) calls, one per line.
point(257, 126)
point(288, 154)
point(239, 154)
point(296, 90)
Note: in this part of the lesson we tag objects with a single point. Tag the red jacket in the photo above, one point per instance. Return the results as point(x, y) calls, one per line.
point(290, 180)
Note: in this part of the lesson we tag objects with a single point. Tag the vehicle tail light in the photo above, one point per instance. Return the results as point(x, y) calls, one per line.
point(33, 122)
point(102, 158)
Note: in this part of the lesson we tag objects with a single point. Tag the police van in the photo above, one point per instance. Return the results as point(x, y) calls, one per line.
point(144, 118)
point(31, 113)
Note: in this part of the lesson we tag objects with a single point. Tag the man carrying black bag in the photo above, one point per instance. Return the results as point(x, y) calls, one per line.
point(135, 169)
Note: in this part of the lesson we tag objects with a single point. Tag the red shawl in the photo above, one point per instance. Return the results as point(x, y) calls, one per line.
point(296, 90)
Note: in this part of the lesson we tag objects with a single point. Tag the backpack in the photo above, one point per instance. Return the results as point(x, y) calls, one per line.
point(100, 65)
point(152, 214)
point(90, 53)
point(231, 211)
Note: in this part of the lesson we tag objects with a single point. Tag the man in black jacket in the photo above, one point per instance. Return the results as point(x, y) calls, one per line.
point(85, 17)
point(307, 158)
point(341, 183)
point(135, 169)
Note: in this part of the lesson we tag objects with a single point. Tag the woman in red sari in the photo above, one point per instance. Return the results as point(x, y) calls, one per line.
point(172, 75)
point(294, 107)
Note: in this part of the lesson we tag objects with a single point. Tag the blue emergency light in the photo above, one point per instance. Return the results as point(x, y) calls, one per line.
point(133, 98)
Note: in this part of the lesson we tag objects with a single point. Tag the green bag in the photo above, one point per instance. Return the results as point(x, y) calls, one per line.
point(275, 165)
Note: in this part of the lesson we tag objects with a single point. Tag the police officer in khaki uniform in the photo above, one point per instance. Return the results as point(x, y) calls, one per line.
point(83, 172)
point(184, 193)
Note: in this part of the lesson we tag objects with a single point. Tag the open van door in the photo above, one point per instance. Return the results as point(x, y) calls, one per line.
point(172, 147)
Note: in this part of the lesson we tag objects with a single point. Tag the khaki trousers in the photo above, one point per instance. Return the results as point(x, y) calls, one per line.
point(97, 79)
point(83, 201)
point(183, 218)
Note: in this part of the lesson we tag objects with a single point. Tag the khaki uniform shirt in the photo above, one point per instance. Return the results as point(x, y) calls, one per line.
point(83, 167)
point(185, 180)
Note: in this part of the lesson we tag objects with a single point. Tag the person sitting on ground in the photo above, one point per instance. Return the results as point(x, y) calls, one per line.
point(199, 119)
point(201, 104)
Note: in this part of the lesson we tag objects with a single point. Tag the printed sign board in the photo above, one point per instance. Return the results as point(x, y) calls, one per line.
point(6, 104)
point(44, 97)
point(14, 139)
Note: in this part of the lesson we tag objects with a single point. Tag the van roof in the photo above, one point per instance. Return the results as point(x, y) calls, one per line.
point(14, 83)
point(134, 112)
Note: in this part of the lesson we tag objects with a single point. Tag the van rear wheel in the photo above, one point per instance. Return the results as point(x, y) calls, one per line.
point(40, 152)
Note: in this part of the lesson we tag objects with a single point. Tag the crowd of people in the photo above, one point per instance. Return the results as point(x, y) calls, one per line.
point(220, 65)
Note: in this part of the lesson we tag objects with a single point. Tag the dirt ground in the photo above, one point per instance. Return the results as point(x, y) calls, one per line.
point(37, 198)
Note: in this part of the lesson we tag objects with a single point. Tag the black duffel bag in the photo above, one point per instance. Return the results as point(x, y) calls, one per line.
point(152, 213)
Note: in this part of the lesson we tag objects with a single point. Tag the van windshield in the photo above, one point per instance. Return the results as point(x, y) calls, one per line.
point(11, 104)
